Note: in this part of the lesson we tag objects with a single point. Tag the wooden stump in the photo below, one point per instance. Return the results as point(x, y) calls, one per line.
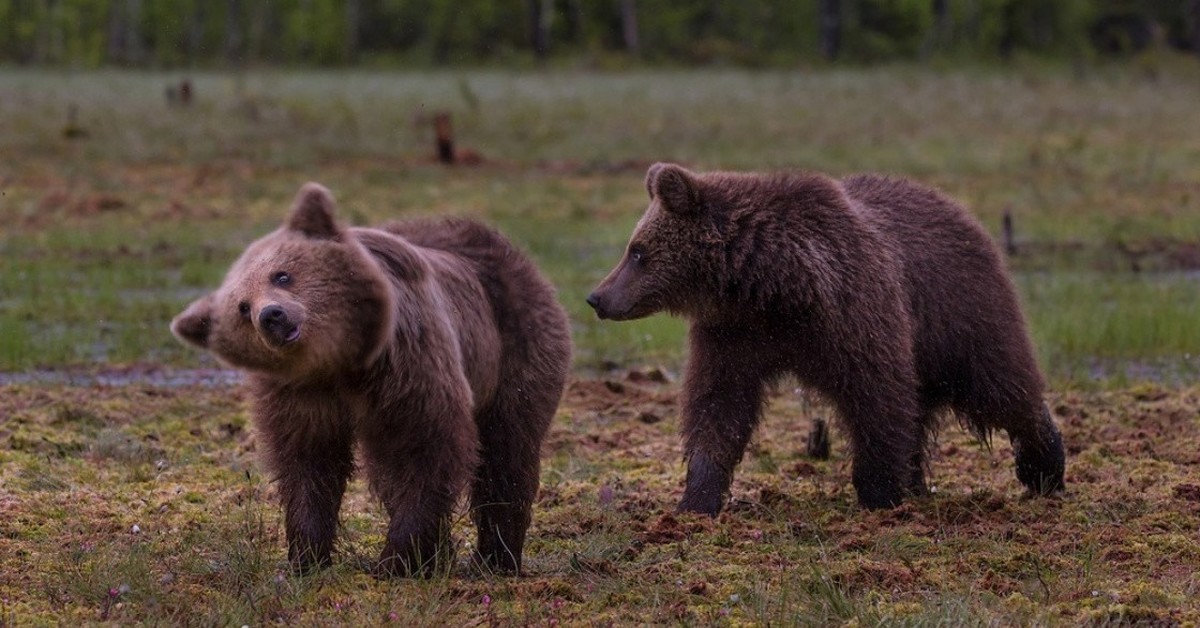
point(443, 132)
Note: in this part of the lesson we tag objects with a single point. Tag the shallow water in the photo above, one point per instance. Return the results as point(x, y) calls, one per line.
point(153, 376)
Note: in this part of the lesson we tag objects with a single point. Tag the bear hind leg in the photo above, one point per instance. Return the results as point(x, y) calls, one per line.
point(887, 446)
point(1038, 451)
point(415, 549)
point(878, 474)
point(1036, 442)
point(418, 535)
point(1003, 390)
point(506, 481)
point(419, 481)
point(916, 485)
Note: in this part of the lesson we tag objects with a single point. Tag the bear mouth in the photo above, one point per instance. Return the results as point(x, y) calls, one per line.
point(630, 313)
point(281, 335)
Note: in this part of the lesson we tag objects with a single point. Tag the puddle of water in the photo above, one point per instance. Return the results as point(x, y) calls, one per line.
point(157, 377)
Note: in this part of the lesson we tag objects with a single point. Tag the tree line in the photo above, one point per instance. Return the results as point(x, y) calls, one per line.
point(201, 33)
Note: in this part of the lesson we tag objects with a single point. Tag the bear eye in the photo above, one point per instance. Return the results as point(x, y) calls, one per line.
point(281, 278)
point(636, 254)
point(244, 308)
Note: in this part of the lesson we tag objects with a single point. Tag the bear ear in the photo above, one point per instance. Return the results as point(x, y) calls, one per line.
point(194, 323)
point(675, 188)
point(312, 212)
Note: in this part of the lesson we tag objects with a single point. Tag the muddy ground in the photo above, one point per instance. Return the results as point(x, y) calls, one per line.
point(134, 496)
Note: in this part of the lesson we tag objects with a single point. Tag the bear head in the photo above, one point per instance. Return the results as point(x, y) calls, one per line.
point(665, 262)
point(306, 300)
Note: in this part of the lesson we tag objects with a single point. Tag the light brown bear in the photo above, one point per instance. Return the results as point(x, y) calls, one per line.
point(437, 347)
point(884, 296)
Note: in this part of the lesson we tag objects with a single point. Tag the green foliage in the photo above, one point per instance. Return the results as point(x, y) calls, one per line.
point(888, 29)
point(171, 33)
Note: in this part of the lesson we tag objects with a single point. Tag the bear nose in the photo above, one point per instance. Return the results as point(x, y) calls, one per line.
point(272, 314)
point(593, 300)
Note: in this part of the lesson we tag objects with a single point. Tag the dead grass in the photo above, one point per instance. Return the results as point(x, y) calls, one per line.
point(142, 504)
point(137, 499)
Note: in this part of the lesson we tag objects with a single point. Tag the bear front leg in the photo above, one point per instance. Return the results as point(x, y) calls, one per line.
point(311, 498)
point(311, 459)
point(721, 405)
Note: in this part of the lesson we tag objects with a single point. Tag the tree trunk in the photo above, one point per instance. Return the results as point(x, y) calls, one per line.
point(133, 31)
point(115, 44)
point(195, 31)
point(830, 23)
point(41, 32)
point(1191, 21)
point(233, 31)
point(940, 33)
point(629, 27)
point(574, 21)
point(55, 46)
point(537, 29)
point(353, 22)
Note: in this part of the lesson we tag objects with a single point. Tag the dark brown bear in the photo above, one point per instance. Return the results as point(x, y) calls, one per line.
point(884, 296)
point(437, 347)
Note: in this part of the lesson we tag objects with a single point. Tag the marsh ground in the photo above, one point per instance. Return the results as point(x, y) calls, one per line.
point(128, 489)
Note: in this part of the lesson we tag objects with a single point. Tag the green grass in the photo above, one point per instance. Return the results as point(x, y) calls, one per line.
point(1090, 161)
point(1121, 326)
point(102, 240)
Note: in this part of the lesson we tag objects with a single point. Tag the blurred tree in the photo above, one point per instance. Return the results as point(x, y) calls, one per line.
point(195, 31)
point(830, 12)
point(629, 27)
point(1191, 19)
point(168, 33)
point(233, 32)
point(539, 15)
point(573, 22)
point(353, 20)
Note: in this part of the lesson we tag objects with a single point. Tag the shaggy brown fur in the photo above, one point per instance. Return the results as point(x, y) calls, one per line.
point(885, 296)
point(437, 347)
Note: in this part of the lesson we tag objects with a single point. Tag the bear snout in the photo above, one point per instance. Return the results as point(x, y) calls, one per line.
point(614, 305)
point(597, 302)
point(277, 327)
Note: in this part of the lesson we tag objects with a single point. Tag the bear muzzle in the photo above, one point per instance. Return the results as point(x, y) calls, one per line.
point(593, 300)
point(277, 327)
point(605, 308)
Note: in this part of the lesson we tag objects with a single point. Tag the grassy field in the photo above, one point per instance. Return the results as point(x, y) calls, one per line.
point(107, 423)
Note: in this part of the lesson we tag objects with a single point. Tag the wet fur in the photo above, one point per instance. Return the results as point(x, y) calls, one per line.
point(884, 296)
point(441, 353)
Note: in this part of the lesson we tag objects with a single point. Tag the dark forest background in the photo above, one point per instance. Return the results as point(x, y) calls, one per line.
point(215, 33)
